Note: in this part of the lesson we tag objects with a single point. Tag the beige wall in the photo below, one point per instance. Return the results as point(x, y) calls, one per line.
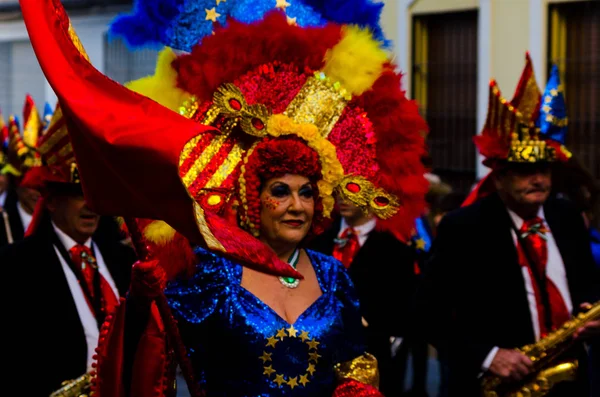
point(509, 42)
point(438, 6)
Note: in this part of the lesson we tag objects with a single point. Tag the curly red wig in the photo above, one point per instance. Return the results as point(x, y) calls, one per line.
point(272, 158)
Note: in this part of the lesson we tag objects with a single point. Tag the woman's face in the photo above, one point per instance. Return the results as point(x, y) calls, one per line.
point(287, 206)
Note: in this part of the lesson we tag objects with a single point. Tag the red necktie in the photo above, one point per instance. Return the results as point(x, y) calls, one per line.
point(85, 263)
point(346, 247)
point(533, 234)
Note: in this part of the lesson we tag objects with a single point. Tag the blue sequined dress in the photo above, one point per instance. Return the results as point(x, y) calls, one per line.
point(240, 347)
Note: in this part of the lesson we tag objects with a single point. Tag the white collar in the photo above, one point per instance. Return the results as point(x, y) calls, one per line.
point(361, 230)
point(25, 217)
point(67, 241)
point(518, 221)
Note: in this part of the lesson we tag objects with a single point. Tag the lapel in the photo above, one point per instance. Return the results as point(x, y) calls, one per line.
point(498, 242)
point(10, 207)
point(562, 233)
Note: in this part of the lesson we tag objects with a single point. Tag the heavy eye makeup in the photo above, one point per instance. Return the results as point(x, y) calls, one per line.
point(280, 190)
point(306, 191)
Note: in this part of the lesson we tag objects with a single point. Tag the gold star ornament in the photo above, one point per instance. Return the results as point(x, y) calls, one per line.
point(420, 244)
point(266, 357)
point(268, 371)
point(272, 341)
point(282, 4)
point(292, 331)
point(291, 21)
point(212, 14)
point(279, 380)
point(312, 344)
point(304, 380)
point(221, 1)
point(281, 334)
point(304, 336)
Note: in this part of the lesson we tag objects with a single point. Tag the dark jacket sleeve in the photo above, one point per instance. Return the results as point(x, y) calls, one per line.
point(439, 316)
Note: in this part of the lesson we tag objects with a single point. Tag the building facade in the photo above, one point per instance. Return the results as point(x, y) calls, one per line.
point(20, 73)
point(450, 49)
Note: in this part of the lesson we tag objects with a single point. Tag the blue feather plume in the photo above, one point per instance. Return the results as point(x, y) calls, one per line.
point(181, 24)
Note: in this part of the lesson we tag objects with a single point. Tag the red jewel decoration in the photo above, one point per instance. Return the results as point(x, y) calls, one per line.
point(235, 104)
point(381, 201)
point(353, 187)
point(258, 123)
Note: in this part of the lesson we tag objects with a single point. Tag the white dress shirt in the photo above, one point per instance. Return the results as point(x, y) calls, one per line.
point(362, 231)
point(87, 318)
point(555, 271)
point(25, 217)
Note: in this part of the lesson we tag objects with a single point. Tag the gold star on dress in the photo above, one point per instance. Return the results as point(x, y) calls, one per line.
point(292, 331)
point(282, 4)
point(279, 380)
point(553, 92)
point(311, 369)
point(266, 357)
point(546, 108)
point(304, 336)
point(312, 344)
point(313, 357)
point(221, 1)
point(293, 382)
point(212, 14)
point(272, 341)
point(420, 244)
point(268, 371)
point(281, 334)
point(291, 21)
point(304, 380)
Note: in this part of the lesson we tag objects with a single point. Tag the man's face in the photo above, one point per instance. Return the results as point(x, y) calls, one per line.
point(73, 217)
point(348, 210)
point(28, 198)
point(525, 185)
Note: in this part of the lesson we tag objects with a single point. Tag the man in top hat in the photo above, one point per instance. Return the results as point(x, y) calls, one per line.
point(18, 202)
point(514, 264)
point(72, 276)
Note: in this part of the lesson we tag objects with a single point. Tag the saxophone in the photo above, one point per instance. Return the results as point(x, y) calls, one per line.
point(80, 387)
point(545, 355)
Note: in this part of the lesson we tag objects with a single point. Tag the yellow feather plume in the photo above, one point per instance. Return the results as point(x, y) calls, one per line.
point(162, 86)
point(159, 232)
point(356, 62)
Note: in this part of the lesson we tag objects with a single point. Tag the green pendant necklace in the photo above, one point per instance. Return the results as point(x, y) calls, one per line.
point(291, 282)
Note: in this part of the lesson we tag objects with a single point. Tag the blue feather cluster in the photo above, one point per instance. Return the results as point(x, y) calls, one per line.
point(552, 120)
point(180, 24)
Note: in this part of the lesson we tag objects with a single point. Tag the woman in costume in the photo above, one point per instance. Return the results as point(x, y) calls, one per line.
point(228, 116)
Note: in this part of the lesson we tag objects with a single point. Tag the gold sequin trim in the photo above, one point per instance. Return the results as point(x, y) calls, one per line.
point(209, 238)
point(203, 160)
point(77, 42)
point(53, 140)
point(366, 195)
point(362, 369)
point(319, 102)
point(233, 159)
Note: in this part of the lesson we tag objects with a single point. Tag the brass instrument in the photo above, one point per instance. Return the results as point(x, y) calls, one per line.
point(545, 355)
point(80, 387)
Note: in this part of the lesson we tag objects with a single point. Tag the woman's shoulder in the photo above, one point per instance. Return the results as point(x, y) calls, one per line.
point(212, 271)
point(329, 270)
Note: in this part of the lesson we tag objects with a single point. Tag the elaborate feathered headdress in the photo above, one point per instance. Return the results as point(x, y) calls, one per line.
point(525, 130)
point(530, 128)
point(330, 85)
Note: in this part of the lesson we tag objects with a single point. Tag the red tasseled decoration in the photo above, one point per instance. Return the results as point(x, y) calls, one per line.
point(243, 47)
point(400, 134)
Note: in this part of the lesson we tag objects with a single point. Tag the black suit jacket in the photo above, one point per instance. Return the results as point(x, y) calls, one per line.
point(383, 275)
point(46, 342)
point(473, 294)
point(14, 219)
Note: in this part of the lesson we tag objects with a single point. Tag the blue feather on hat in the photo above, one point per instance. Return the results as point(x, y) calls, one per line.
point(552, 120)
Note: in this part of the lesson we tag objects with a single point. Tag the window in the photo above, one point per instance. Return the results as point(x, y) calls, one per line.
point(123, 65)
point(445, 85)
point(574, 46)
